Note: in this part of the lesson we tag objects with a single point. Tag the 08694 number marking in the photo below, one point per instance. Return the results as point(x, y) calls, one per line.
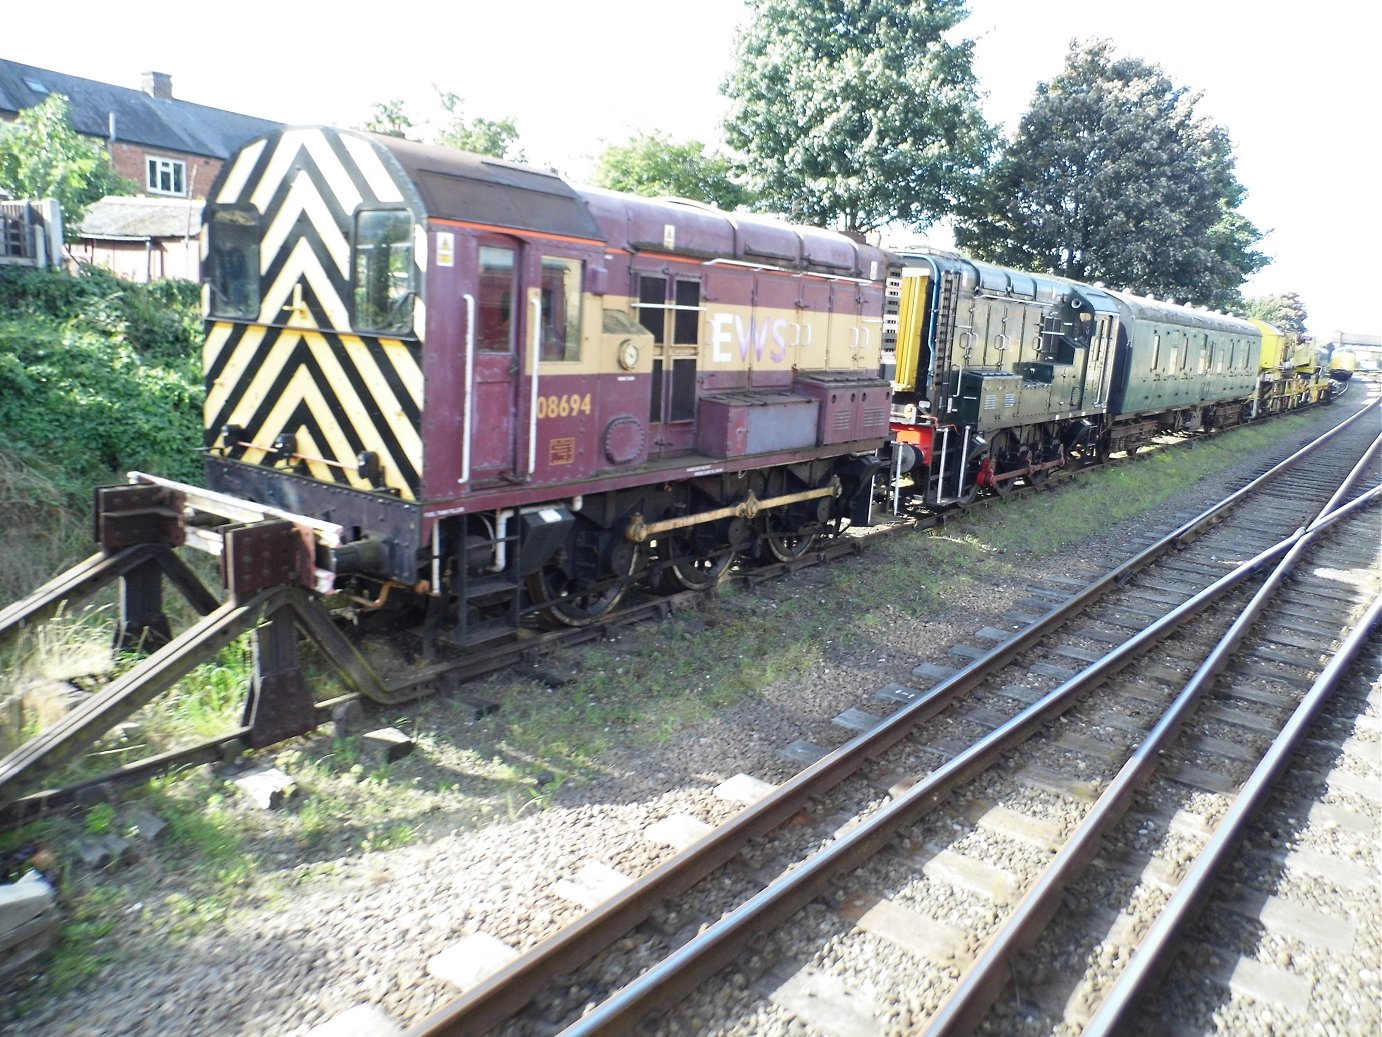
point(567, 406)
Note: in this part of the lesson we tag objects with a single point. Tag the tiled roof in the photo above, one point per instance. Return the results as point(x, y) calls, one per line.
point(155, 122)
point(116, 217)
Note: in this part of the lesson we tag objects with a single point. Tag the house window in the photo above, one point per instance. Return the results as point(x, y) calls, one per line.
point(167, 176)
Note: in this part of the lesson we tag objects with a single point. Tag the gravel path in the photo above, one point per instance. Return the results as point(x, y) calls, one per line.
point(311, 939)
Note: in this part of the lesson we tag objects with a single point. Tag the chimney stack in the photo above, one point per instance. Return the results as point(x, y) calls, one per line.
point(158, 84)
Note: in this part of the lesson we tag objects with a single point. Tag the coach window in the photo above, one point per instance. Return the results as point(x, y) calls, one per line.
point(561, 309)
point(687, 324)
point(384, 279)
point(670, 307)
point(674, 322)
point(652, 306)
point(1156, 350)
point(233, 263)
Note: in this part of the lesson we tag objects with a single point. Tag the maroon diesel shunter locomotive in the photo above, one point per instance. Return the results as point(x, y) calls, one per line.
point(517, 397)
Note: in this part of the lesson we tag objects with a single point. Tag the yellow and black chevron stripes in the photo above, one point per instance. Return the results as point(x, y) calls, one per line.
point(307, 184)
point(337, 395)
point(301, 369)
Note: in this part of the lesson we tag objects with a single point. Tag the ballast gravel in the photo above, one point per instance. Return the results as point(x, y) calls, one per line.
point(315, 938)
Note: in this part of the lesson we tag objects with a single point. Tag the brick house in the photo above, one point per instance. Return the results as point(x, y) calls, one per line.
point(171, 149)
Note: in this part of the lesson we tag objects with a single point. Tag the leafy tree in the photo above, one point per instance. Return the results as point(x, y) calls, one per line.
point(1112, 177)
point(389, 118)
point(655, 164)
point(43, 156)
point(857, 112)
point(1285, 312)
point(497, 137)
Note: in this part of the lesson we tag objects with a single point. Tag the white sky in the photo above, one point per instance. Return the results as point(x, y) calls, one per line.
point(1295, 87)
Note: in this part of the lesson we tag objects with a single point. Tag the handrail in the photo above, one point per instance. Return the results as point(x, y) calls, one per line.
point(469, 386)
point(536, 301)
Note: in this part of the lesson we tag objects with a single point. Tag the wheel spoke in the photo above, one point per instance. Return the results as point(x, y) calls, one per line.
point(688, 570)
point(574, 603)
point(784, 543)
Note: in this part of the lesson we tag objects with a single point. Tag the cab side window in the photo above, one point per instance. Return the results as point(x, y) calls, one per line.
point(561, 308)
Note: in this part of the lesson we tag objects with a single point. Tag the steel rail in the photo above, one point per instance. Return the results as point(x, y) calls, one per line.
point(1159, 942)
point(982, 982)
point(505, 992)
point(681, 972)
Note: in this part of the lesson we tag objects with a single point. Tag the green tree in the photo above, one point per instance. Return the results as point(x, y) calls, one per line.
point(43, 156)
point(1284, 311)
point(497, 137)
point(857, 113)
point(391, 119)
point(655, 164)
point(1113, 177)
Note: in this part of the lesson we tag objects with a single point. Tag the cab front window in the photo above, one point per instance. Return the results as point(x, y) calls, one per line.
point(232, 263)
point(385, 282)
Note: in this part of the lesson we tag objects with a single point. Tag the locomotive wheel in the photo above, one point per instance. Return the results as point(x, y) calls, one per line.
point(573, 603)
point(970, 493)
point(1002, 449)
point(690, 572)
point(1088, 450)
point(782, 544)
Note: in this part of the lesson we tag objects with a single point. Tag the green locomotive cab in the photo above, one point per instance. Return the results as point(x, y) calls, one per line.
point(998, 375)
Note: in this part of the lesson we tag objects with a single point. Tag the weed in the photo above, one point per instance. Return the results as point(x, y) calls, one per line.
point(100, 819)
point(390, 837)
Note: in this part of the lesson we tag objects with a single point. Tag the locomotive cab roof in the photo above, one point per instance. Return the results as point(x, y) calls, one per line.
point(682, 227)
point(1003, 282)
point(441, 183)
point(459, 185)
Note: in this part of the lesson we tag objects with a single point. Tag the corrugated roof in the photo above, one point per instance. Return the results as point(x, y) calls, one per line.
point(139, 119)
point(117, 218)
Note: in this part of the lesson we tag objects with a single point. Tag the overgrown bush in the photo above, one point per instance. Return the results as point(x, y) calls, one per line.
point(160, 320)
point(98, 376)
point(43, 533)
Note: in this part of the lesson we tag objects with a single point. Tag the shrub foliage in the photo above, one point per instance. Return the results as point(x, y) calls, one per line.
point(99, 376)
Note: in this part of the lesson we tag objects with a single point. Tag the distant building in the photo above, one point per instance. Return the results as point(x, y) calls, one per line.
point(170, 148)
point(142, 239)
point(173, 150)
point(1365, 346)
point(1352, 340)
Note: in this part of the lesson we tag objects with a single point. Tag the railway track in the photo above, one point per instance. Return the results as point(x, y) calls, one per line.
point(854, 896)
point(24, 774)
